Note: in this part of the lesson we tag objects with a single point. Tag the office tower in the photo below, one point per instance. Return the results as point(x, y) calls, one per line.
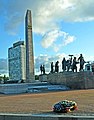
point(30, 77)
point(16, 61)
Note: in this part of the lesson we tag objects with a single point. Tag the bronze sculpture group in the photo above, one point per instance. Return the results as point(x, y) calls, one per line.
point(42, 69)
point(72, 63)
point(67, 65)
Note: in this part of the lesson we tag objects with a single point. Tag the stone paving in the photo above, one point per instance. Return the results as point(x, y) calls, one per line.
point(36, 103)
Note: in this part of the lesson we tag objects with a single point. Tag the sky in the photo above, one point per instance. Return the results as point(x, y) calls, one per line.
point(60, 28)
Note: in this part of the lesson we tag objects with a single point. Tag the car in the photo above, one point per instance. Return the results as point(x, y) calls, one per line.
point(65, 106)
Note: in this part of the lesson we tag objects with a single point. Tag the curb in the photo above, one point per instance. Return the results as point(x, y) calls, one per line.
point(8, 116)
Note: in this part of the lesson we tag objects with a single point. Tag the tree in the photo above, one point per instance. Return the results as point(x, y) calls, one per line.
point(36, 77)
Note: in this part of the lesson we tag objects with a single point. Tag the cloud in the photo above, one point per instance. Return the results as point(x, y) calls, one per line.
point(68, 39)
point(3, 66)
point(15, 24)
point(50, 38)
point(46, 13)
point(83, 11)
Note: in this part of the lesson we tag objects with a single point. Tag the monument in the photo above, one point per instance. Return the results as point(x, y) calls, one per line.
point(84, 79)
point(30, 77)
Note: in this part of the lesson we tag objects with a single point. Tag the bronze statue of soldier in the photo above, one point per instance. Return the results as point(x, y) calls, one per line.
point(57, 67)
point(52, 67)
point(81, 59)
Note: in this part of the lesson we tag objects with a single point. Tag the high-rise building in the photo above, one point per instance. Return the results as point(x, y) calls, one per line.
point(30, 77)
point(16, 61)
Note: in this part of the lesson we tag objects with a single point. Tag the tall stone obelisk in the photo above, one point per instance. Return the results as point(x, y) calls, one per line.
point(30, 77)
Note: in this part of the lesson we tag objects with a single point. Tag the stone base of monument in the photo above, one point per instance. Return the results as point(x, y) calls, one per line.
point(13, 88)
point(73, 80)
point(43, 78)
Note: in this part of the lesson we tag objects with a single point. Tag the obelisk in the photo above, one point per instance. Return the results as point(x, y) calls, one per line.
point(30, 77)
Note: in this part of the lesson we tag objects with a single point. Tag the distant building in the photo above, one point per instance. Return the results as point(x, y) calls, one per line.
point(16, 61)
